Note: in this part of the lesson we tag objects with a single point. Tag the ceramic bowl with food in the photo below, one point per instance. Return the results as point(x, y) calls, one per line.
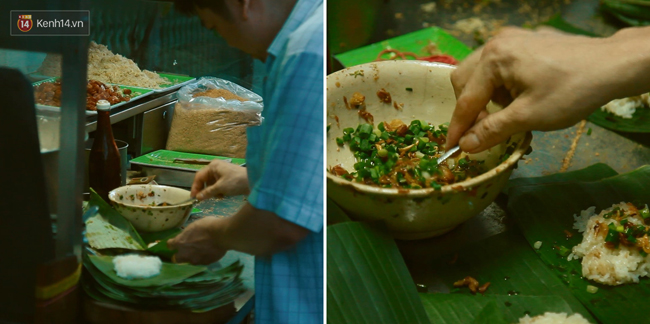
point(145, 206)
point(408, 91)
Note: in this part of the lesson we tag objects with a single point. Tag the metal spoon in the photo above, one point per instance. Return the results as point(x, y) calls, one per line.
point(184, 201)
point(447, 154)
point(205, 185)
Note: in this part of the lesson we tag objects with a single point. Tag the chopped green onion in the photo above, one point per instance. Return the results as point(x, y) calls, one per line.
point(643, 254)
point(462, 162)
point(623, 221)
point(645, 212)
point(537, 245)
point(382, 153)
point(409, 89)
point(381, 126)
point(592, 289)
point(328, 127)
point(612, 234)
point(563, 251)
point(589, 131)
point(347, 131)
point(620, 229)
point(339, 141)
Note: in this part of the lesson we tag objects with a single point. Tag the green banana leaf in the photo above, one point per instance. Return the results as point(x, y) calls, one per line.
point(544, 211)
point(593, 172)
point(367, 279)
point(161, 248)
point(639, 123)
point(215, 288)
point(634, 9)
point(149, 237)
point(108, 229)
point(170, 273)
point(513, 269)
point(493, 309)
point(557, 22)
point(335, 214)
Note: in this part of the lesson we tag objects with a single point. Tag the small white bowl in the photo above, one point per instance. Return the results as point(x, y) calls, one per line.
point(139, 204)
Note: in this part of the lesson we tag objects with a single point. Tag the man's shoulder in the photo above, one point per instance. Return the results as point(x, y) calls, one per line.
point(308, 37)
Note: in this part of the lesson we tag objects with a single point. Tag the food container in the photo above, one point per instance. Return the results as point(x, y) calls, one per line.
point(425, 92)
point(139, 204)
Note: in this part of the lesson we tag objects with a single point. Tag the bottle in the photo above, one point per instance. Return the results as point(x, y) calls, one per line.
point(104, 163)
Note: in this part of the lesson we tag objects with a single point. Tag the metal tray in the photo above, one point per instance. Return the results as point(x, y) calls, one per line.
point(144, 92)
point(177, 80)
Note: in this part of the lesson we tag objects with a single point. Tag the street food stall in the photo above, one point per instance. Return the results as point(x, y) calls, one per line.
point(135, 84)
point(480, 249)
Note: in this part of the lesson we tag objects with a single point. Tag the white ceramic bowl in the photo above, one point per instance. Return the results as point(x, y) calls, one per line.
point(135, 203)
point(426, 93)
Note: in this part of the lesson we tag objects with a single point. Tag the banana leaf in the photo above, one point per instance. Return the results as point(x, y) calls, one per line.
point(108, 229)
point(544, 211)
point(513, 269)
point(335, 214)
point(557, 22)
point(367, 279)
point(493, 309)
point(593, 172)
point(639, 123)
point(186, 295)
point(170, 273)
point(161, 248)
point(634, 9)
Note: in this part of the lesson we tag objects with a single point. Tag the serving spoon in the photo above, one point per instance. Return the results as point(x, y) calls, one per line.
point(447, 154)
point(183, 202)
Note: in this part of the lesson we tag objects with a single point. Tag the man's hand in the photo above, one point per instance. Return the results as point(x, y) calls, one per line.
point(546, 81)
point(250, 230)
point(220, 178)
point(198, 243)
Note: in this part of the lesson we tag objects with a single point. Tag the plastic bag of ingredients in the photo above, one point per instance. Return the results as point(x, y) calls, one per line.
point(211, 117)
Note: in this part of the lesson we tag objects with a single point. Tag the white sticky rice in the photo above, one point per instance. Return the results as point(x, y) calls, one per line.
point(133, 266)
point(554, 318)
point(623, 264)
point(626, 107)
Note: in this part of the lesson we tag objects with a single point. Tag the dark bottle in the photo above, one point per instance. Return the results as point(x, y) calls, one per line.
point(104, 164)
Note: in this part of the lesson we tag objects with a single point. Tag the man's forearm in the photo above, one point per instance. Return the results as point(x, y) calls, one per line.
point(258, 232)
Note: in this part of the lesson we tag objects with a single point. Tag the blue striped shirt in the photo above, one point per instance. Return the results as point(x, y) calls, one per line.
point(285, 168)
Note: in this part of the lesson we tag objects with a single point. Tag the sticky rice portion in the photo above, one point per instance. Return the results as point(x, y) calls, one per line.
point(133, 266)
point(554, 318)
point(607, 263)
point(626, 107)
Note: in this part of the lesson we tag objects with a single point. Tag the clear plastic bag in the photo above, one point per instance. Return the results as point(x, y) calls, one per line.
point(215, 126)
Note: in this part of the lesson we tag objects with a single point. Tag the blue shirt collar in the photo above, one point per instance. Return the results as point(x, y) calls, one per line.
point(301, 11)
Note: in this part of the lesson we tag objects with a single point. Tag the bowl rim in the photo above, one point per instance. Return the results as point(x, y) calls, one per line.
point(147, 206)
point(521, 149)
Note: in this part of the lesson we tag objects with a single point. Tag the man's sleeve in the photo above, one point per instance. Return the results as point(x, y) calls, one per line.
point(291, 183)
